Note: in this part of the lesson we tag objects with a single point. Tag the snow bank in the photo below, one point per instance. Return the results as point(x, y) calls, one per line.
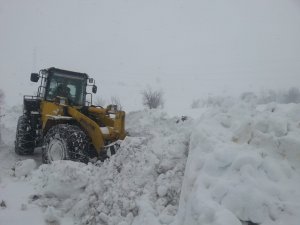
point(243, 165)
point(142, 182)
point(62, 179)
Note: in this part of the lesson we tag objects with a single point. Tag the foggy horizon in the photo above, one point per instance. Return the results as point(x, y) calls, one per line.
point(188, 49)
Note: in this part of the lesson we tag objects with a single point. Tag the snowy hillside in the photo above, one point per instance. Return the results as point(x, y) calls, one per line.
point(234, 162)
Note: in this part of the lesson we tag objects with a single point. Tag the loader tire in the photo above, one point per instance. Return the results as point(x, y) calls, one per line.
point(24, 143)
point(65, 142)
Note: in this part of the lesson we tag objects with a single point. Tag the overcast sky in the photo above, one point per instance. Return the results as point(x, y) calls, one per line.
point(185, 47)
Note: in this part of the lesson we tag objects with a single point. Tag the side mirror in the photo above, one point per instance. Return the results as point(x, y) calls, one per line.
point(94, 90)
point(35, 77)
point(91, 80)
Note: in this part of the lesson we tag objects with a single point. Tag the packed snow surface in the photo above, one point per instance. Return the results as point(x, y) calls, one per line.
point(236, 161)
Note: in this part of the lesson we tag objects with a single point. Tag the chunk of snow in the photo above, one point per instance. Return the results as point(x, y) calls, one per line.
point(104, 130)
point(25, 167)
point(62, 179)
point(52, 216)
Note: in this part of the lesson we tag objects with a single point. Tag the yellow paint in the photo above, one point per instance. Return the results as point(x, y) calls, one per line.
point(117, 123)
point(90, 126)
point(50, 109)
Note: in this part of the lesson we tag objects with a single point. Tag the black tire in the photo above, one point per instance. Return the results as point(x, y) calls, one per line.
point(65, 142)
point(24, 143)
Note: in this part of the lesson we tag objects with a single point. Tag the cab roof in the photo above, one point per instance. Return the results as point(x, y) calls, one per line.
point(67, 72)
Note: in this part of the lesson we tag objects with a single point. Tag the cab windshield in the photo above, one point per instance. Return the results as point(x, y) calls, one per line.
point(68, 86)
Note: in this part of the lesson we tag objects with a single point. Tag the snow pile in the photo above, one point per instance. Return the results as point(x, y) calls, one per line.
point(63, 179)
point(52, 216)
point(139, 185)
point(243, 165)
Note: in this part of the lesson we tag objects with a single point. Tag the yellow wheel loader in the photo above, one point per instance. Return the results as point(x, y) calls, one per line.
point(63, 121)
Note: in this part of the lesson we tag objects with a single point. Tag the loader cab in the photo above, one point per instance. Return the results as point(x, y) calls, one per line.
point(57, 83)
point(69, 85)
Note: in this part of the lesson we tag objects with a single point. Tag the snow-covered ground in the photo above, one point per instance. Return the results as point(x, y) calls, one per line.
point(233, 161)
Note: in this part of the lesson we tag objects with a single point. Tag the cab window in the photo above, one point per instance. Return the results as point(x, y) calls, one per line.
point(67, 86)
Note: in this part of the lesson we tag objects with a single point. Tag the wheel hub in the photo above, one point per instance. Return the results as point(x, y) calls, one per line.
point(56, 150)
